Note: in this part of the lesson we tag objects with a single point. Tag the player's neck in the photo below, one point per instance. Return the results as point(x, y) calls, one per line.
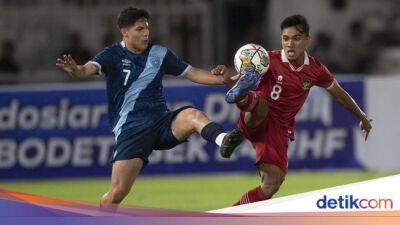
point(298, 61)
point(132, 48)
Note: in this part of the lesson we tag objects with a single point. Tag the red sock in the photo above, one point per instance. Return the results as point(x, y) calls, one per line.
point(249, 103)
point(254, 195)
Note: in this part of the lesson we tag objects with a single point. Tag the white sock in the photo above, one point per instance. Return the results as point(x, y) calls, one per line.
point(219, 139)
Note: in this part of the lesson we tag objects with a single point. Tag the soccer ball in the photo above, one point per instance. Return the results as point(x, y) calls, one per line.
point(251, 57)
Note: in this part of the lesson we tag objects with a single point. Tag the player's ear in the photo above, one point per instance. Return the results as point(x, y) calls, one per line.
point(124, 31)
point(308, 39)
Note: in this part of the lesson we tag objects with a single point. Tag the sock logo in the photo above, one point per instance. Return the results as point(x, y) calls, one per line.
point(351, 202)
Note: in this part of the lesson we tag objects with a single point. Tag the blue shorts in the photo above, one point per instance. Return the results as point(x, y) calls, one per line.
point(158, 136)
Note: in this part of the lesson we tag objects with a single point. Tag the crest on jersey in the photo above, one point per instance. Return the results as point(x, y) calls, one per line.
point(306, 83)
point(154, 61)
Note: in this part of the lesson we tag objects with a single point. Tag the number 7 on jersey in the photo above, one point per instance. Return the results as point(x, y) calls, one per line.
point(128, 73)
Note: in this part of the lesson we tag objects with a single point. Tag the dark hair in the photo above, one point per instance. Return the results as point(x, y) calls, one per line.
point(128, 17)
point(298, 21)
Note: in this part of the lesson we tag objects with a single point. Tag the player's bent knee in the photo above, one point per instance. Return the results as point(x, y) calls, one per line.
point(193, 118)
point(193, 114)
point(255, 118)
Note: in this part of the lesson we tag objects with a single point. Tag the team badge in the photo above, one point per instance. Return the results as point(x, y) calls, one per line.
point(306, 83)
point(154, 61)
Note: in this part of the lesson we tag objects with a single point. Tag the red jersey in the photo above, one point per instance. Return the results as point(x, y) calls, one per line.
point(286, 88)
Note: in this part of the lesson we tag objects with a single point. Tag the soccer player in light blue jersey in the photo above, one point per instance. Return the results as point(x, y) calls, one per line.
point(138, 114)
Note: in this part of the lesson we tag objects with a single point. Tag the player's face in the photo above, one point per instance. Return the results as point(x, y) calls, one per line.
point(294, 44)
point(136, 37)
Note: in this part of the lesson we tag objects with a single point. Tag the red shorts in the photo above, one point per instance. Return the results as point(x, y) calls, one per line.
point(269, 140)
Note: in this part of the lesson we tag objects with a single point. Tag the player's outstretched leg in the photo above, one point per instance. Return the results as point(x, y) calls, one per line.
point(192, 120)
point(231, 140)
point(242, 86)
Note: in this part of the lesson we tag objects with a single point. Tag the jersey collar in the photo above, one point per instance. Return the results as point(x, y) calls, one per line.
point(123, 45)
point(286, 60)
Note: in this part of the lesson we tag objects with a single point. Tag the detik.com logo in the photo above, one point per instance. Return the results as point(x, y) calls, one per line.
point(351, 202)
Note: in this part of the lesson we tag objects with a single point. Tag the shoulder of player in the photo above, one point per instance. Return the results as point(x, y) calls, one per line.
point(160, 50)
point(274, 53)
point(315, 62)
point(274, 56)
point(318, 67)
point(158, 46)
point(112, 49)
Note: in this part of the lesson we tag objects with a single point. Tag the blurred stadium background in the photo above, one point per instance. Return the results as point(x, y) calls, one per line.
point(54, 135)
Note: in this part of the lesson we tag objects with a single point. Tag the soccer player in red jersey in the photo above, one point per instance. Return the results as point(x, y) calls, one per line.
point(268, 114)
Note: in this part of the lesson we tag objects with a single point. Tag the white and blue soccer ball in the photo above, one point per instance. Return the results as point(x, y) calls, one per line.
point(251, 57)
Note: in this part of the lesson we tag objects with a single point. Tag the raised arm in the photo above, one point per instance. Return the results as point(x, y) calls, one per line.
point(229, 77)
point(203, 77)
point(68, 64)
point(344, 99)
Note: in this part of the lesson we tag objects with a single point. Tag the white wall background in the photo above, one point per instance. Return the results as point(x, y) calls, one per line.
point(382, 150)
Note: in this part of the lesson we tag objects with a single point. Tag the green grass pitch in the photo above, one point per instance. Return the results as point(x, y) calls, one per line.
point(189, 192)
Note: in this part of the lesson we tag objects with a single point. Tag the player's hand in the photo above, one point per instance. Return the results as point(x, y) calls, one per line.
point(220, 70)
point(365, 125)
point(68, 64)
point(228, 77)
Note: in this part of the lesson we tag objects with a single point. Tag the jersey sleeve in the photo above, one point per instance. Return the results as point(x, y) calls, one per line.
point(103, 61)
point(174, 65)
point(325, 78)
